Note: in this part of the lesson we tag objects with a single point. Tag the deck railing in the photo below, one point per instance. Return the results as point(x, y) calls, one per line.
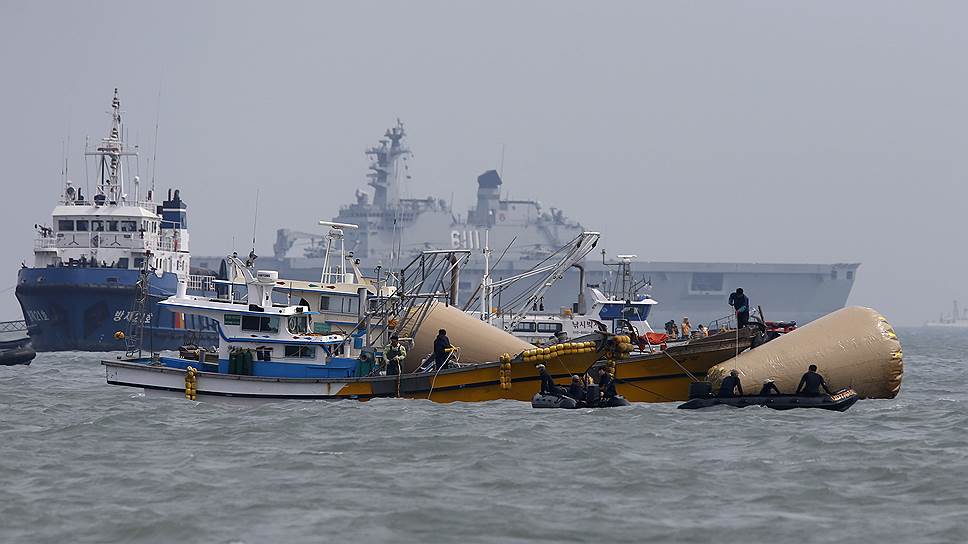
point(13, 326)
point(201, 283)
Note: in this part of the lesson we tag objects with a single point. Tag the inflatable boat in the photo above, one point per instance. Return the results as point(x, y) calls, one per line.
point(839, 401)
point(563, 401)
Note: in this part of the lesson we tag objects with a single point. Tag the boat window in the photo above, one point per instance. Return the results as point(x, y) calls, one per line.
point(302, 352)
point(833, 273)
point(258, 323)
point(139, 262)
point(113, 226)
point(350, 305)
point(123, 262)
point(323, 303)
point(65, 224)
point(526, 326)
point(129, 226)
point(549, 327)
point(299, 324)
point(850, 274)
point(82, 225)
point(232, 319)
point(97, 225)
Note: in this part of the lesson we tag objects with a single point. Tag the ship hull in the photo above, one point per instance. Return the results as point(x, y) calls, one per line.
point(81, 309)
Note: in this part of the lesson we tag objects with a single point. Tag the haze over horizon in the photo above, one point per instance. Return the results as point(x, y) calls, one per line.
point(727, 131)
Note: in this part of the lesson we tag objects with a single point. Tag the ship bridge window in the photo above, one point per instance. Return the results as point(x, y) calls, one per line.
point(97, 226)
point(298, 324)
point(850, 274)
point(82, 225)
point(833, 274)
point(549, 327)
point(65, 224)
point(123, 262)
point(258, 323)
point(113, 226)
point(525, 326)
point(323, 303)
point(301, 352)
point(232, 319)
point(129, 226)
point(706, 282)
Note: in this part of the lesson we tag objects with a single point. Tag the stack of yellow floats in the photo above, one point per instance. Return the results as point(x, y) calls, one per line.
point(621, 347)
point(539, 355)
point(191, 383)
point(505, 373)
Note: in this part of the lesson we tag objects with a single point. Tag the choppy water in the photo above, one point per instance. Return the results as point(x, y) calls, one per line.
point(81, 461)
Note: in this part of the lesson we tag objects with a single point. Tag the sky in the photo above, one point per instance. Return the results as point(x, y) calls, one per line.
point(684, 131)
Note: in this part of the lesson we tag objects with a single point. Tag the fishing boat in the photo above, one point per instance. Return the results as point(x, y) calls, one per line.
point(88, 260)
point(662, 373)
point(270, 350)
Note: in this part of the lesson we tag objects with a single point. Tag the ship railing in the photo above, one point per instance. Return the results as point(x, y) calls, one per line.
point(13, 326)
point(727, 322)
point(45, 243)
point(201, 283)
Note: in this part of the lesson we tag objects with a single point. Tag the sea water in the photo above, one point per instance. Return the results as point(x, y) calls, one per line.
point(82, 461)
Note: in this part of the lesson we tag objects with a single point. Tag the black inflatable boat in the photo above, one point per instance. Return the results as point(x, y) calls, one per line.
point(564, 401)
point(839, 401)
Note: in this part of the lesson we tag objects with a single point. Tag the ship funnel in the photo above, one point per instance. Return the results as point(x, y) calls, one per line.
point(488, 198)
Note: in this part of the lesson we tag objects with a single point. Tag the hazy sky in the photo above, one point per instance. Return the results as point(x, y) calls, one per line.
point(740, 131)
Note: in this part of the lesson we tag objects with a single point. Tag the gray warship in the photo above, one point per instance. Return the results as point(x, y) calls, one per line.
point(522, 234)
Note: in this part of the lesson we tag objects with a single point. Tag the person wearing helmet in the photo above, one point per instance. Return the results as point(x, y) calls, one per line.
point(730, 385)
point(548, 386)
point(576, 390)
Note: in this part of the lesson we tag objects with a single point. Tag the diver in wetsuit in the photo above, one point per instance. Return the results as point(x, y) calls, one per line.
point(811, 382)
point(730, 383)
point(606, 384)
point(548, 386)
point(576, 390)
point(769, 388)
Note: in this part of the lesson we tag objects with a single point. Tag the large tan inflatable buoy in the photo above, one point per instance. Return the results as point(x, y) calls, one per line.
point(479, 342)
point(852, 347)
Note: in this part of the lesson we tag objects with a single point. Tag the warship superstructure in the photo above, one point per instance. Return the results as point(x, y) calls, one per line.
point(522, 233)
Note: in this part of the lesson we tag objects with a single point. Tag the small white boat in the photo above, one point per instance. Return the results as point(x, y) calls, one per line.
point(15, 348)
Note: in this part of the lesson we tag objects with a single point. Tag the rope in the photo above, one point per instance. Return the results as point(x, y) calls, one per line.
point(626, 382)
point(433, 382)
point(684, 369)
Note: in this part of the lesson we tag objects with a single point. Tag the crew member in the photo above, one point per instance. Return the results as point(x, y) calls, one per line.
point(686, 327)
point(548, 386)
point(730, 384)
point(606, 384)
point(741, 304)
point(811, 382)
point(577, 389)
point(442, 348)
point(769, 388)
point(394, 355)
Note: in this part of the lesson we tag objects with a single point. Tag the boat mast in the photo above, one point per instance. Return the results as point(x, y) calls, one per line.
point(334, 243)
point(110, 186)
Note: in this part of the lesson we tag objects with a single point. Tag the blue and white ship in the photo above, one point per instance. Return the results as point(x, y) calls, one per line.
point(82, 287)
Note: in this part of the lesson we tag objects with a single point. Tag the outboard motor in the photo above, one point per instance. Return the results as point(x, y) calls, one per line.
point(700, 390)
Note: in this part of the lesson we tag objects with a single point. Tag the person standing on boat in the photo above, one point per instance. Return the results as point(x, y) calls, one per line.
point(442, 349)
point(394, 355)
point(741, 304)
point(686, 328)
point(730, 385)
point(811, 382)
